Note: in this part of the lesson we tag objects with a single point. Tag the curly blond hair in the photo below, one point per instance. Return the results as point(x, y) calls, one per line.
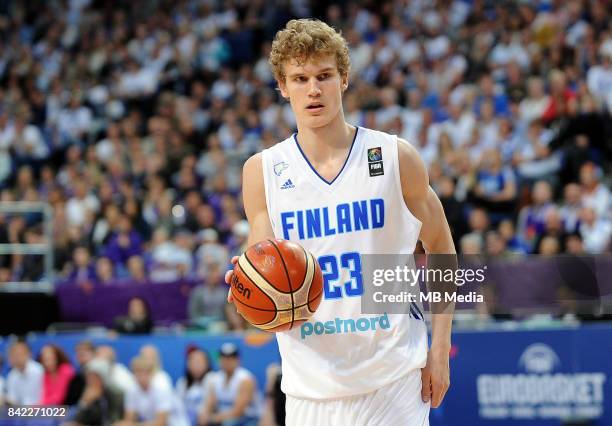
point(304, 39)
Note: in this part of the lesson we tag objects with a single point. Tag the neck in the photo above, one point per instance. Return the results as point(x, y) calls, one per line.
point(321, 143)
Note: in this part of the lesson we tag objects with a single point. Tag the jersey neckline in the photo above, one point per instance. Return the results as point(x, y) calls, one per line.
point(346, 160)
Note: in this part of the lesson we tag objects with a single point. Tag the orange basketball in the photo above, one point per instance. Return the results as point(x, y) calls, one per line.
point(277, 285)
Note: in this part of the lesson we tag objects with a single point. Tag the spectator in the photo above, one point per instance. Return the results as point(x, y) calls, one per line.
point(562, 97)
point(105, 273)
point(594, 194)
point(150, 402)
point(82, 205)
point(136, 269)
point(211, 251)
point(595, 231)
point(57, 377)
point(100, 403)
point(513, 243)
point(191, 388)
point(599, 79)
point(119, 376)
point(453, 209)
point(533, 106)
point(209, 299)
point(531, 221)
point(549, 246)
point(26, 140)
point(233, 394)
point(85, 352)
point(570, 208)
point(533, 157)
point(138, 318)
point(574, 244)
point(74, 122)
point(25, 380)
point(496, 245)
point(495, 184)
point(172, 260)
point(471, 244)
point(553, 228)
point(479, 222)
point(160, 377)
point(576, 156)
point(124, 242)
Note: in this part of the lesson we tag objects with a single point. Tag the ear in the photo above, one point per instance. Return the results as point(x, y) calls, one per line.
point(283, 89)
point(344, 83)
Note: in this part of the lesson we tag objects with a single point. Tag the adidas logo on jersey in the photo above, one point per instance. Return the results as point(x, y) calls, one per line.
point(287, 185)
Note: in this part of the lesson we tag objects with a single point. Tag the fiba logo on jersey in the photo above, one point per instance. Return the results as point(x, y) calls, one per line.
point(375, 164)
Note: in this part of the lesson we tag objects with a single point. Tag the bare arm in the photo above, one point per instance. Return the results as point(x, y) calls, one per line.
point(436, 237)
point(208, 408)
point(254, 198)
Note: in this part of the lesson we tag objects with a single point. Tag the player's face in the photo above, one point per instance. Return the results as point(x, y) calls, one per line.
point(314, 89)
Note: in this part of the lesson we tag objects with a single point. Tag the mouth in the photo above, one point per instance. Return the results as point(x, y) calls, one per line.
point(314, 107)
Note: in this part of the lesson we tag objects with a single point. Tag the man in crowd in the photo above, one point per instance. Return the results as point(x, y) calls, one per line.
point(24, 383)
point(233, 396)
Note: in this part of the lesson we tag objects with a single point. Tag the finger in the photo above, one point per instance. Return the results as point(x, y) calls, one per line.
point(228, 276)
point(438, 390)
point(234, 260)
point(230, 296)
point(436, 396)
point(425, 385)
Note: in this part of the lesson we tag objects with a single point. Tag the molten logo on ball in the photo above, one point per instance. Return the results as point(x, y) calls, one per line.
point(237, 285)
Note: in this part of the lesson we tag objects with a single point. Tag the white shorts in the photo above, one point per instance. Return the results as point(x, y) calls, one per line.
point(398, 403)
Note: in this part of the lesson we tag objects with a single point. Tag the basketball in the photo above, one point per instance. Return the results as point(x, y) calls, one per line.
point(276, 285)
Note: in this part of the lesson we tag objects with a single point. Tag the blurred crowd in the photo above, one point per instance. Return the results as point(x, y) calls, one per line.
point(100, 390)
point(133, 120)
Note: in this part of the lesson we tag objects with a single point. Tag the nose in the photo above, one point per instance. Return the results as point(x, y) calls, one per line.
point(314, 89)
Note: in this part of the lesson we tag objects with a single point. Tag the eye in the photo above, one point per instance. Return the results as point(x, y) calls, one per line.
point(300, 79)
point(324, 76)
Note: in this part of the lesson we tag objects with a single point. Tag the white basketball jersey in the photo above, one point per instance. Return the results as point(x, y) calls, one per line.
point(341, 352)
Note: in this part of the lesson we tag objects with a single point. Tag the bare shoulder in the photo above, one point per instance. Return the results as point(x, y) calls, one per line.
point(253, 188)
point(253, 167)
point(413, 173)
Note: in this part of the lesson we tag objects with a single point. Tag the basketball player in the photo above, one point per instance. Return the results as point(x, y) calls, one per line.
point(339, 191)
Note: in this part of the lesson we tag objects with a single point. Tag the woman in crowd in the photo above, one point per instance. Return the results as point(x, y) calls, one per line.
point(191, 388)
point(58, 373)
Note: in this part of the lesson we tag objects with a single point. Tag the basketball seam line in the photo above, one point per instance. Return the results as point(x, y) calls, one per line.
point(288, 280)
point(263, 276)
point(258, 287)
point(273, 310)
